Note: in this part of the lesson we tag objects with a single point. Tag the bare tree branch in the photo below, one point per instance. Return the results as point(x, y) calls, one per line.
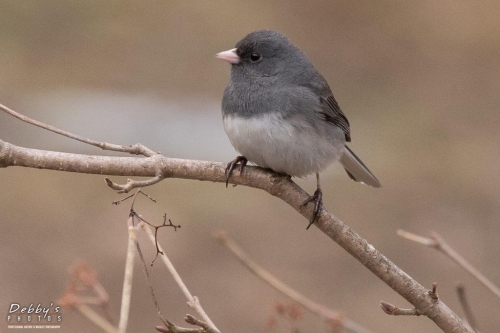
point(276, 185)
point(328, 315)
point(437, 242)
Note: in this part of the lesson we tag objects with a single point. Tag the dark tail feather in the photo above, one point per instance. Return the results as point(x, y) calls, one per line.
point(357, 170)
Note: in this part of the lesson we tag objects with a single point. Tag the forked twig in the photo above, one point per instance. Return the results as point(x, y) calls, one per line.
point(193, 301)
point(131, 222)
point(437, 242)
point(131, 184)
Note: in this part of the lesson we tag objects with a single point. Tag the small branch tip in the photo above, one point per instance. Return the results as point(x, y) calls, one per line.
point(433, 293)
point(387, 308)
point(393, 310)
point(221, 236)
point(416, 238)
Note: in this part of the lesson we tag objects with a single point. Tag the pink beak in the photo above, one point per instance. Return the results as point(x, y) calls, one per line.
point(230, 56)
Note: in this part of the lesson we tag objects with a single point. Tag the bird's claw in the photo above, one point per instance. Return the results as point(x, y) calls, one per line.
point(317, 197)
point(231, 165)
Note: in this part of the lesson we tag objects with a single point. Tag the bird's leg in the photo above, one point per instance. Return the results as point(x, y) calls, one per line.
point(231, 165)
point(317, 197)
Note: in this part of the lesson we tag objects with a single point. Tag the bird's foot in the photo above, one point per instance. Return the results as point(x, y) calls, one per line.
point(231, 165)
point(317, 197)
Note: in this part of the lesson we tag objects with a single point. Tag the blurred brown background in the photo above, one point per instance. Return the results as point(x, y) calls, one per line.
point(419, 81)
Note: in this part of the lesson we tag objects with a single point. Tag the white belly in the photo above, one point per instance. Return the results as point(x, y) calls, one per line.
point(292, 147)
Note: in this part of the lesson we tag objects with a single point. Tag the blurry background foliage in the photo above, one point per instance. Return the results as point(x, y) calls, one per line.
point(418, 80)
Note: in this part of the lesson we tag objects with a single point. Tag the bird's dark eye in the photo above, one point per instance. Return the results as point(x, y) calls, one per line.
point(254, 57)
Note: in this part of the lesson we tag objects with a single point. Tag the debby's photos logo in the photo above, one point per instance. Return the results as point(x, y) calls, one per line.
point(34, 316)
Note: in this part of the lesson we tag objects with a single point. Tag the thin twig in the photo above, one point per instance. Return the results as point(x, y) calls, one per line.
point(319, 310)
point(131, 184)
point(129, 272)
point(96, 319)
point(136, 149)
point(193, 301)
point(164, 320)
point(437, 242)
point(466, 307)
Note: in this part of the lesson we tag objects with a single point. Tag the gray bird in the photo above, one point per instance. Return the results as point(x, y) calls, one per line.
point(279, 113)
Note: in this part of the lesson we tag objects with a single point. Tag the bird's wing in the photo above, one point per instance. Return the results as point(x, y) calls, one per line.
point(331, 112)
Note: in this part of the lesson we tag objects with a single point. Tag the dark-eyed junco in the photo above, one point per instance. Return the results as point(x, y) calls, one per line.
point(280, 113)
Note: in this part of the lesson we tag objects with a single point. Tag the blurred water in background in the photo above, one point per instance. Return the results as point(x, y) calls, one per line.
point(182, 128)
